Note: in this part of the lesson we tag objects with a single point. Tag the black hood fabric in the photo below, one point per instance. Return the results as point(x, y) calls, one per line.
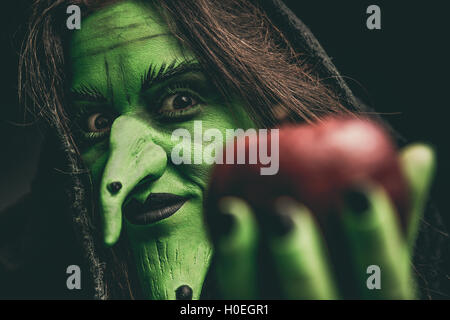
point(51, 228)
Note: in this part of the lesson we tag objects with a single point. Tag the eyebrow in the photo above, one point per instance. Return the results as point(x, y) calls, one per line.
point(156, 76)
point(152, 77)
point(87, 93)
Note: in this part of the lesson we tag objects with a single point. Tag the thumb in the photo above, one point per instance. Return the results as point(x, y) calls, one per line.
point(418, 164)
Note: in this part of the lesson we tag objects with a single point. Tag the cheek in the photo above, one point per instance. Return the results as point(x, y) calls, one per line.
point(95, 160)
point(206, 149)
point(199, 175)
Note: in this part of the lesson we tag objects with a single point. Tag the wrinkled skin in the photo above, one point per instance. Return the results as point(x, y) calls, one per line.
point(113, 59)
point(125, 132)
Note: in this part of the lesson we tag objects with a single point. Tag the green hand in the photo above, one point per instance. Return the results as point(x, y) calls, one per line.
point(298, 254)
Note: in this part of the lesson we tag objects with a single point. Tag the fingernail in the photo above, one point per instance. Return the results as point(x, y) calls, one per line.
point(114, 187)
point(356, 201)
point(281, 224)
point(183, 292)
point(225, 224)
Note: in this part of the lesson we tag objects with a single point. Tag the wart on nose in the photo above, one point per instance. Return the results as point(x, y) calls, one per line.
point(114, 187)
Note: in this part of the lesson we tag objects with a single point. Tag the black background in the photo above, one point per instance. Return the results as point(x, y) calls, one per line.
point(401, 69)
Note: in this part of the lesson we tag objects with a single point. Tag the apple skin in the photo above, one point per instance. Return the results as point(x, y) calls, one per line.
point(318, 164)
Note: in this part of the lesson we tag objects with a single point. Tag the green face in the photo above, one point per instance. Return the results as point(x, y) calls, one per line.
point(132, 86)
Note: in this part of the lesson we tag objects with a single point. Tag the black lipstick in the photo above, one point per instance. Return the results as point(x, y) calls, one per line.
point(157, 206)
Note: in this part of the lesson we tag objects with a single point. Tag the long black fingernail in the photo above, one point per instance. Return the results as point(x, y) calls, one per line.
point(184, 292)
point(281, 224)
point(225, 224)
point(356, 201)
point(114, 187)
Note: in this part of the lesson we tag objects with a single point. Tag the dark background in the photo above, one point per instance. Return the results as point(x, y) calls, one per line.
point(400, 69)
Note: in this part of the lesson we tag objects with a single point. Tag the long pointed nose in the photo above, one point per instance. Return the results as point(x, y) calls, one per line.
point(133, 156)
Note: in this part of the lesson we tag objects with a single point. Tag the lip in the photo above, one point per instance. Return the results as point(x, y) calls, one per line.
point(157, 207)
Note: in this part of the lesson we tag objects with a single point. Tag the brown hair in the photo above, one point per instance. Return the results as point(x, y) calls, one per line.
point(243, 52)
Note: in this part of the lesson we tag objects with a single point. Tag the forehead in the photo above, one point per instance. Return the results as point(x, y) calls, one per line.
point(116, 26)
point(127, 35)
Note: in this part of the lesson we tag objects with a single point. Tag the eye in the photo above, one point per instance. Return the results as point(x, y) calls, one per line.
point(99, 122)
point(179, 101)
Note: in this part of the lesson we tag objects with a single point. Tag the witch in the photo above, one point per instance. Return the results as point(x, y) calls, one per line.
point(108, 198)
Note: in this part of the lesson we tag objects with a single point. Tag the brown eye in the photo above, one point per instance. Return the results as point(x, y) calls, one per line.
point(183, 101)
point(99, 122)
point(179, 101)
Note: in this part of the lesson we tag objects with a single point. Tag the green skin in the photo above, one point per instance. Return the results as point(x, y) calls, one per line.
point(110, 55)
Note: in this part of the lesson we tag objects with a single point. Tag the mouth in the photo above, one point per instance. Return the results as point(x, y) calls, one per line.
point(157, 207)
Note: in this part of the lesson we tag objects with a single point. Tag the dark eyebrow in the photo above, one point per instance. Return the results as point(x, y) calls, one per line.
point(167, 71)
point(87, 93)
point(152, 77)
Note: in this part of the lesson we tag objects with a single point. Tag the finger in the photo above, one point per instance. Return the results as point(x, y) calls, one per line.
point(379, 254)
point(234, 234)
point(298, 254)
point(418, 163)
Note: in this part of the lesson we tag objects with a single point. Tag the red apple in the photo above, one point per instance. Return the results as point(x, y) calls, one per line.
point(317, 165)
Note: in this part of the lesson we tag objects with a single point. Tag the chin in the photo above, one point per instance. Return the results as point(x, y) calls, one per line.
point(172, 253)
